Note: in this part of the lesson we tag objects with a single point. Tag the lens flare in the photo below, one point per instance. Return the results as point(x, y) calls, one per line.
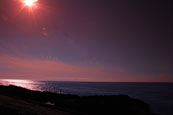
point(29, 2)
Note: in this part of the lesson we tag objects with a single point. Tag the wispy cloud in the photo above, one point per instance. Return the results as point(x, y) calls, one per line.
point(30, 68)
point(15, 67)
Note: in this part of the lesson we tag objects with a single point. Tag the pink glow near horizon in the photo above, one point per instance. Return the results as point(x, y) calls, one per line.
point(47, 69)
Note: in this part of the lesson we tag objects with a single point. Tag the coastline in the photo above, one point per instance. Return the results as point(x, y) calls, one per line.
point(26, 102)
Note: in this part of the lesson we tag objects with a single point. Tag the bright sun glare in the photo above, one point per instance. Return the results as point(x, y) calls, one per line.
point(29, 2)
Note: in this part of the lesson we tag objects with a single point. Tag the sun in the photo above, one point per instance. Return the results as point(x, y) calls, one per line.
point(29, 2)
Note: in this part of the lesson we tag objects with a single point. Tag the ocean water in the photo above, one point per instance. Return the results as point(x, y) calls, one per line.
point(158, 95)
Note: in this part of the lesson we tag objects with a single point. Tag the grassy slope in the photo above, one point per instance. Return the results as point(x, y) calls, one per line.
point(14, 106)
point(28, 102)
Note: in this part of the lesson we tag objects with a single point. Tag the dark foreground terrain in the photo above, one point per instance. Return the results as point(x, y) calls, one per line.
point(19, 101)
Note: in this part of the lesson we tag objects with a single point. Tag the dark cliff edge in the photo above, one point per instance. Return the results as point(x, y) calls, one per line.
point(19, 101)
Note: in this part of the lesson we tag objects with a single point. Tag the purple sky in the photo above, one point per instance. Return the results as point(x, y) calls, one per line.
point(87, 40)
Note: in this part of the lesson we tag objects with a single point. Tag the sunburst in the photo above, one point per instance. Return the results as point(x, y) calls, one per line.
point(29, 3)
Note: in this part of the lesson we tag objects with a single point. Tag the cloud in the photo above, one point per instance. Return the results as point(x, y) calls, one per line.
point(15, 67)
point(48, 69)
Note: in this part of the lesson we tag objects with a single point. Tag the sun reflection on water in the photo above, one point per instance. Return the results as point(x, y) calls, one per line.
point(28, 84)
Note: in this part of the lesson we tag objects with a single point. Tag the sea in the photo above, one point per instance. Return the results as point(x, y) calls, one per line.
point(158, 95)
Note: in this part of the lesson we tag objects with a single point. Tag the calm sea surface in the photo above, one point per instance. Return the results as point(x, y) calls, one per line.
point(158, 95)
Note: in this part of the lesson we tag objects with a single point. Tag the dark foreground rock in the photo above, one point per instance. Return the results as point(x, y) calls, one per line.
point(19, 101)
